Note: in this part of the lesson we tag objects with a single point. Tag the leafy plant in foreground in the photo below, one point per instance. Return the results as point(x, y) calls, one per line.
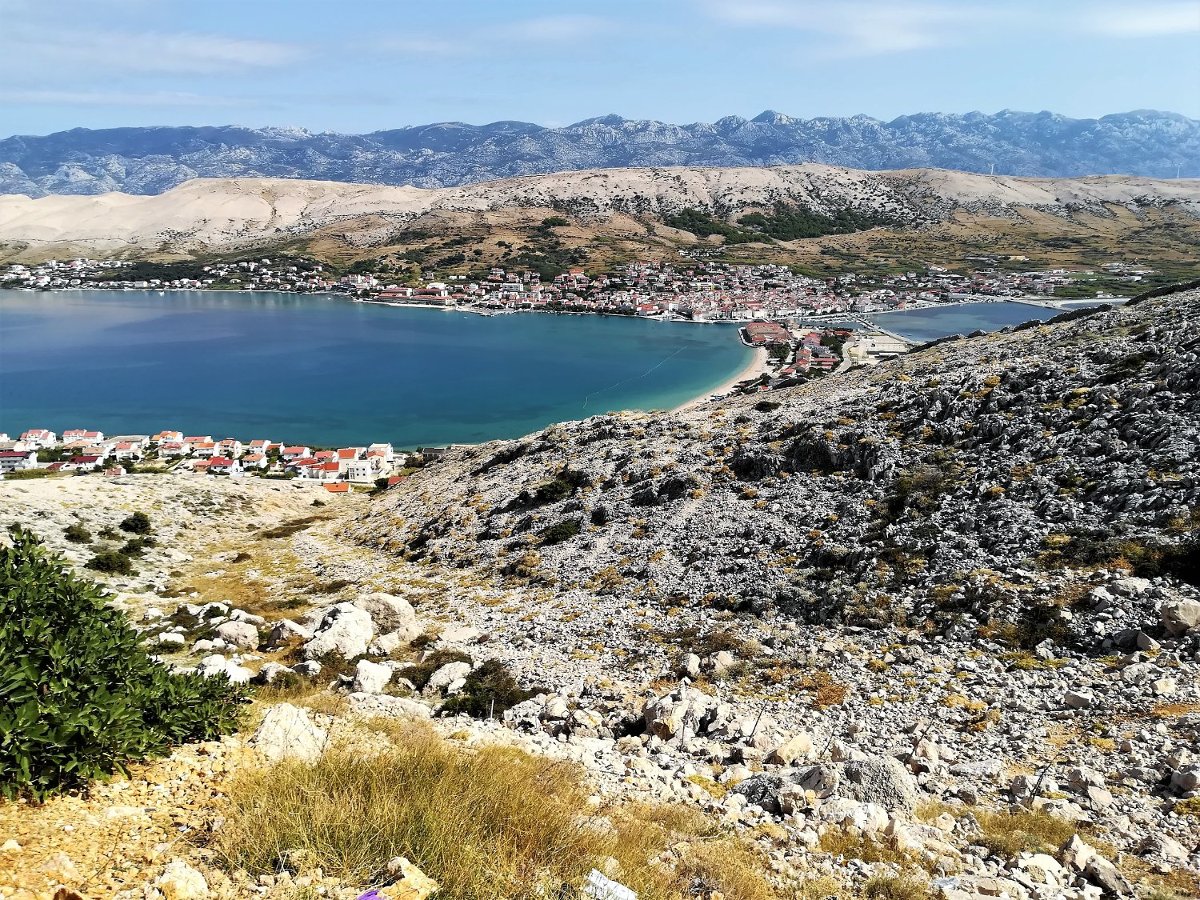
point(81, 695)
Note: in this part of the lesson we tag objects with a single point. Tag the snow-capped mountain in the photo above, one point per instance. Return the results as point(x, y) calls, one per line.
point(152, 160)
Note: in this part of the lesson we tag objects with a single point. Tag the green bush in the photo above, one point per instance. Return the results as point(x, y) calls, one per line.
point(138, 523)
point(490, 689)
point(136, 546)
point(111, 562)
point(559, 532)
point(82, 695)
point(77, 534)
point(420, 673)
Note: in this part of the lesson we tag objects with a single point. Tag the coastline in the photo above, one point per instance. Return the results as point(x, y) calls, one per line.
point(758, 365)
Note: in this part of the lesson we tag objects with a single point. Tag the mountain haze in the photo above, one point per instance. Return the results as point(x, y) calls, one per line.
point(153, 160)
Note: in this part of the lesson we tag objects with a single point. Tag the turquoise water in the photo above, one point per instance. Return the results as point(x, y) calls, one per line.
point(327, 371)
point(965, 318)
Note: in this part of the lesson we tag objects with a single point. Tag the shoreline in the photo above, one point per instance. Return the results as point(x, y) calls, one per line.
point(759, 364)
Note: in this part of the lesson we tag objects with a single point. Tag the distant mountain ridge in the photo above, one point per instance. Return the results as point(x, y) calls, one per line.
point(151, 160)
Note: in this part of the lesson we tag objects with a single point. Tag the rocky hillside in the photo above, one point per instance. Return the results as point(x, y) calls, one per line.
point(222, 214)
point(152, 160)
point(929, 631)
point(962, 489)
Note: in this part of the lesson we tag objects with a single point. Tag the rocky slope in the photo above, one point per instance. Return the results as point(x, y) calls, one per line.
point(938, 619)
point(152, 160)
point(954, 489)
point(222, 214)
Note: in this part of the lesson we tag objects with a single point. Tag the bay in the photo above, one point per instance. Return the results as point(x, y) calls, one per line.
point(931, 323)
point(326, 371)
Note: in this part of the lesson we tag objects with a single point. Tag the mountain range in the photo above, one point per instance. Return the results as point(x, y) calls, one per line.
point(151, 160)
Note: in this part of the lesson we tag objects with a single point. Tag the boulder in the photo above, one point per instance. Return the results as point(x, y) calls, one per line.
point(343, 629)
point(391, 614)
point(444, 679)
point(1179, 616)
point(288, 732)
point(371, 677)
point(883, 780)
point(179, 881)
point(796, 748)
point(242, 635)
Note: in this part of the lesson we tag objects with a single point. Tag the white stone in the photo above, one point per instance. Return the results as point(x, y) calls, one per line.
point(371, 677)
point(239, 634)
point(441, 680)
point(344, 629)
point(179, 881)
point(288, 732)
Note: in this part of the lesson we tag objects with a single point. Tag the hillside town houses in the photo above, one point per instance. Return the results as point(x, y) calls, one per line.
point(82, 450)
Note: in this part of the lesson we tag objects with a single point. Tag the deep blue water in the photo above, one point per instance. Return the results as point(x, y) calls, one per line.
point(327, 371)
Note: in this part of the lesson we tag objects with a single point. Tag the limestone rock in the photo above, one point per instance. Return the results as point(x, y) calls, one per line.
point(179, 881)
point(1180, 616)
point(343, 629)
point(242, 635)
point(288, 732)
point(371, 677)
point(410, 884)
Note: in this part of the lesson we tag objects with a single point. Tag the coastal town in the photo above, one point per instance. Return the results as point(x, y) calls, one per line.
point(38, 452)
point(697, 288)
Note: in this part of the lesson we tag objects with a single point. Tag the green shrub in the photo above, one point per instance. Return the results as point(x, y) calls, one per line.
point(490, 689)
point(82, 695)
point(420, 673)
point(77, 534)
point(111, 562)
point(137, 523)
point(559, 532)
point(136, 546)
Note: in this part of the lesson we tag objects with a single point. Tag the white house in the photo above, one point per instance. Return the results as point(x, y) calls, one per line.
point(18, 460)
point(37, 438)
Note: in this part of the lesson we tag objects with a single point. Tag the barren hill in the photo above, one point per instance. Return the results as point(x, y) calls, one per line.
point(214, 215)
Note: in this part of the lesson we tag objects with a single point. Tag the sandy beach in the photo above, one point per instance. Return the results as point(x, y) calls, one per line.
point(758, 364)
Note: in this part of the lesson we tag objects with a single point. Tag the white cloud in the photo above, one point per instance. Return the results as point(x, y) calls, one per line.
point(169, 53)
point(876, 27)
point(551, 29)
point(864, 28)
point(165, 99)
point(1146, 20)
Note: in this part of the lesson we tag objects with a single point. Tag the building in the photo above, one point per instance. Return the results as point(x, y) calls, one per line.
point(38, 438)
point(18, 460)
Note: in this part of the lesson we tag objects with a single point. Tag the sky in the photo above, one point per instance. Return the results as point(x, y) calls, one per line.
point(366, 65)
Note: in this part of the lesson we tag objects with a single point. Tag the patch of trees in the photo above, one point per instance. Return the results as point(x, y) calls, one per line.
point(790, 223)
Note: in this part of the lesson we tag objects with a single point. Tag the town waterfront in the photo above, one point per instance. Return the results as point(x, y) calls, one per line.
point(326, 371)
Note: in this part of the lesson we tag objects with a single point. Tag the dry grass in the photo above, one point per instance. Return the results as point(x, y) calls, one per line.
point(1174, 710)
point(495, 823)
point(897, 887)
point(1009, 833)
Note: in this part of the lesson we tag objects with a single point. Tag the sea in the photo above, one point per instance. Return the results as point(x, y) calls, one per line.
point(327, 371)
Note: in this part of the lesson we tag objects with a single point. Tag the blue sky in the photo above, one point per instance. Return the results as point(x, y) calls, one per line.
point(364, 65)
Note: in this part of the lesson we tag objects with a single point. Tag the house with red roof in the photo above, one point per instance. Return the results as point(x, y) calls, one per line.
point(37, 438)
point(223, 465)
point(18, 460)
point(293, 453)
point(81, 434)
point(168, 437)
